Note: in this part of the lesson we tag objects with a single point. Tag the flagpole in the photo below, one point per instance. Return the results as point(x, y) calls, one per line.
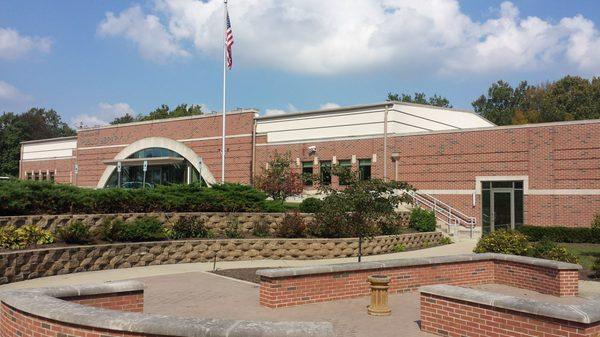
point(224, 89)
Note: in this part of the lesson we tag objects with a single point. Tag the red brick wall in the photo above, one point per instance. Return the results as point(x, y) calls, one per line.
point(544, 280)
point(289, 291)
point(114, 139)
point(559, 156)
point(448, 317)
point(129, 301)
point(16, 323)
point(63, 167)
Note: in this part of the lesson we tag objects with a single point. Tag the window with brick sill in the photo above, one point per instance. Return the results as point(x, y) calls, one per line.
point(307, 173)
point(364, 169)
point(346, 168)
point(325, 173)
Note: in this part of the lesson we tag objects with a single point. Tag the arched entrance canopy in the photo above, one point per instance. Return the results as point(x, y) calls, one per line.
point(160, 142)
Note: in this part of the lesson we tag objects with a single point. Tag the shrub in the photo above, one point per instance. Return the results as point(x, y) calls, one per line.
point(233, 229)
point(19, 238)
point(145, 229)
point(422, 220)
point(141, 229)
point(10, 238)
point(562, 234)
point(310, 205)
point(596, 221)
point(549, 250)
point(76, 232)
point(503, 242)
point(391, 225)
point(292, 226)
point(596, 268)
point(398, 248)
point(188, 228)
point(445, 240)
point(18, 197)
point(261, 228)
point(34, 235)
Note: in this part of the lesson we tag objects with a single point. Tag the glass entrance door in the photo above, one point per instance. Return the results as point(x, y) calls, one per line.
point(503, 216)
point(501, 205)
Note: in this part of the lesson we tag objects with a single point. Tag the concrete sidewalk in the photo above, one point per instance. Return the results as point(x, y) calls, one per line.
point(461, 247)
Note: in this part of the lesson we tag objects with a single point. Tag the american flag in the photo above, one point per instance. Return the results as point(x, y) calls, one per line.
point(229, 42)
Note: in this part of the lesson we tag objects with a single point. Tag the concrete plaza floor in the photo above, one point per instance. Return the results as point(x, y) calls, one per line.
point(202, 294)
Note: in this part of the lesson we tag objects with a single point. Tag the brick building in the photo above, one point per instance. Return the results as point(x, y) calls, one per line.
point(541, 174)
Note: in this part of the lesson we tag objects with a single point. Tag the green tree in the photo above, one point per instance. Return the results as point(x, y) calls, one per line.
point(36, 123)
point(360, 210)
point(162, 112)
point(570, 98)
point(420, 98)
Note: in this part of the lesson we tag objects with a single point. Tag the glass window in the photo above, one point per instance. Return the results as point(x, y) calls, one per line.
point(518, 195)
point(326, 173)
point(364, 169)
point(44, 175)
point(502, 184)
point(307, 173)
point(486, 185)
point(519, 185)
point(346, 170)
point(36, 176)
point(52, 176)
point(164, 174)
point(29, 176)
point(485, 207)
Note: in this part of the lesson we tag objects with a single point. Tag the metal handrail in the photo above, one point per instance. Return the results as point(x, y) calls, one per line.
point(444, 212)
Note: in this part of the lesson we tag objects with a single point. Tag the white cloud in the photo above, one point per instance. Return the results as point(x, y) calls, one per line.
point(14, 45)
point(340, 36)
point(146, 31)
point(276, 112)
point(9, 93)
point(105, 113)
point(329, 105)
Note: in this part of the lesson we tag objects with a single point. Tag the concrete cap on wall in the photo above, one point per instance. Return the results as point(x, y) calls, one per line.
point(44, 303)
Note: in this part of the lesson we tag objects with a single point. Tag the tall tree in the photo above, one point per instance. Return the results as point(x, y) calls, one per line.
point(570, 98)
point(162, 112)
point(420, 98)
point(34, 124)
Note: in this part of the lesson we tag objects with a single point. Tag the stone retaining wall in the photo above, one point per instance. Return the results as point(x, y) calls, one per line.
point(302, 285)
point(215, 221)
point(29, 264)
point(50, 312)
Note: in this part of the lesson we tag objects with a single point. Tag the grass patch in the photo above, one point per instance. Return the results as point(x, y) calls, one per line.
point(586, 252)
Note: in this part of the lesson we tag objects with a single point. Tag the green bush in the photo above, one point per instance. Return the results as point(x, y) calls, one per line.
point(188, 228)
point(292, 226)
point(549, 250)
point(398, 248)
point(19, 238)
point(562, 234)
point(233, 229)
point(261, 228)
point(445, 241)
point(75, 232)
point(20, 197)
point(503, 242)
point(596, 268)
point(422, 220)
point(139, 230)
point(391, 225)
point(310, 205)
point(596, 221)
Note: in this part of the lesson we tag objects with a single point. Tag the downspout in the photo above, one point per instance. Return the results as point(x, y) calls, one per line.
point(385, 132)
point(21, 175)
point(253, 151)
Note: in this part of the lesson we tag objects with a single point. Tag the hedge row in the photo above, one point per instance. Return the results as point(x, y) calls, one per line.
point(37, 197)
point(562, 234)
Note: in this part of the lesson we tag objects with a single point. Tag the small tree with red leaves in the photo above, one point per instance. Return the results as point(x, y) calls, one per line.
point(278, 180)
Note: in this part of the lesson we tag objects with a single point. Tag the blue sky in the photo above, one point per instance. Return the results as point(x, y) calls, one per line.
point(94, 60)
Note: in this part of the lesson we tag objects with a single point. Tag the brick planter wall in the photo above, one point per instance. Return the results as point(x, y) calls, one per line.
point(462, 312)
point(294, 286)
point(47, 312)
point(29, 264)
